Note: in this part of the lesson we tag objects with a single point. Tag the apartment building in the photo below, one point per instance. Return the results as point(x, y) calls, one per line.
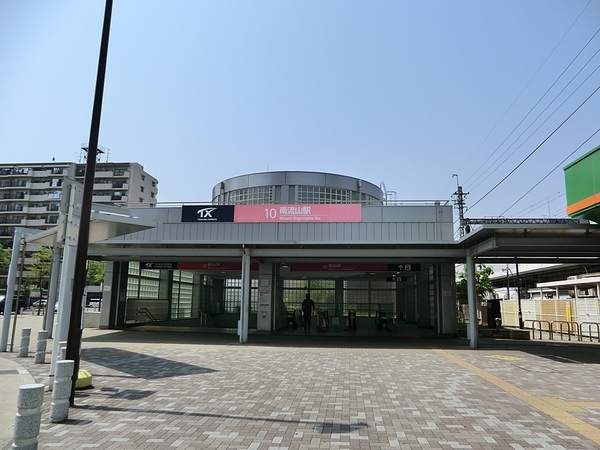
point(30, 193)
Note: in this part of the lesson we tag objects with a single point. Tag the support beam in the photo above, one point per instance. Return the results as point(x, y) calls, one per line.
point(52, 290)
point(10, 287)
point(472, 300)
point(245, 303)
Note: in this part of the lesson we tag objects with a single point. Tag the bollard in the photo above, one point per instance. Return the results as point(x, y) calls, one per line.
point(28, 417)
point(40, 350)
point(62, 352)
point(25, 336)
point(61, 391)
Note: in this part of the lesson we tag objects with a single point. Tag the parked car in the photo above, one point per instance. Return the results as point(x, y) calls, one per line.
point(23, 304)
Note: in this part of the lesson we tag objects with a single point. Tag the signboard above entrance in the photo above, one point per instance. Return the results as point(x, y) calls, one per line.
point(358, 267)
point(272, 213)
point(298, 213)
point(207, 213)
point(230, 265)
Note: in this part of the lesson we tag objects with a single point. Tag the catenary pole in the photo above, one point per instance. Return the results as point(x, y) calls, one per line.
point(75, 329)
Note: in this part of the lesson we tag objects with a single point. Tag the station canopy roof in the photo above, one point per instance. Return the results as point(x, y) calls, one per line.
point(576, 243)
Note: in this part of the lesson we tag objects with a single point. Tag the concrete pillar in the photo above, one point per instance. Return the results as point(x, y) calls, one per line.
point(52, 290)
point(106, 295)
point(265, 297)
point(40, 350)
point(245, 306)
point(64, 305)
point(61, 391)
point(25, 339)
point(472, 300)
point(447, 299)
point(28, 417)
point(10, 286)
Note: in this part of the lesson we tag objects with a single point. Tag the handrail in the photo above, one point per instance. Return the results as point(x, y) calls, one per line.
point(569, 326)
point(533, 322)
point(148, 314)
point(589, 324)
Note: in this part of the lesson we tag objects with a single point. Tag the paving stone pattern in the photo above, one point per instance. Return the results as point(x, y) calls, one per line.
point(208, 392)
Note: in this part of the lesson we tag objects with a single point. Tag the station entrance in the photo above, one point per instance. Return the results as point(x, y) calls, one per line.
point(355, 297)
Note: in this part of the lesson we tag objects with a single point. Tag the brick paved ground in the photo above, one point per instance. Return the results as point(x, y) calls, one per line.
point(155, 390)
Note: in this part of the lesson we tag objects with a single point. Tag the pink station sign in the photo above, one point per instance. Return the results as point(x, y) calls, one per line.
point(298, 213)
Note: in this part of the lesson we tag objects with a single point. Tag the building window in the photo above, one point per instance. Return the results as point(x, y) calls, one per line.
point(152, 194)
point(119, 172)
point(232, 297)
point(141, 200)
point(322, 194)
point(143, 177)
point(154, 184)
point(259, 195)
point(141, 188)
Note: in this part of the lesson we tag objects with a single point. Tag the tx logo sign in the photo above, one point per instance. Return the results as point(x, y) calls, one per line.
point(205, 213)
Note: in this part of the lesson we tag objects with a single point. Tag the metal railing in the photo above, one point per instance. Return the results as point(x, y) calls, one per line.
point(540, 329)
point(570, 326)
point(589, 324)
point(146, 312)
point(573, 329)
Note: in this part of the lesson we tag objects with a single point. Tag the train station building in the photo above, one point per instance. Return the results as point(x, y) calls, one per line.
point(248, 258)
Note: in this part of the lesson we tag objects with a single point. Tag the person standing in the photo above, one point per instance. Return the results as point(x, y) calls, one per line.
point(308, 307)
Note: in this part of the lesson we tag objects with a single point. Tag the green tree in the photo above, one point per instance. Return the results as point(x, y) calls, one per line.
point(483, 284)
point(39, 271)
point(4, 258)
point(95, 273)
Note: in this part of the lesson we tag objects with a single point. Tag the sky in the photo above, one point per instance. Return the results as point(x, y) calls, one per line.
point(414, 96)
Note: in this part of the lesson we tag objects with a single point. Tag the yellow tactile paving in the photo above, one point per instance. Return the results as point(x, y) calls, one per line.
point(555, 408)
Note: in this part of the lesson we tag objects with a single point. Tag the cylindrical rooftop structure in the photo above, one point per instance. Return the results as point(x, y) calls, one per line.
point(296, 187)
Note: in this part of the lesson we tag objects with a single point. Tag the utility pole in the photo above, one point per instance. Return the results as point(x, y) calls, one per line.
point(79, 277)
point(459, 203)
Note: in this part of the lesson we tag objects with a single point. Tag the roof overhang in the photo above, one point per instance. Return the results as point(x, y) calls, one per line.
point(103, 226)
point(539, 243)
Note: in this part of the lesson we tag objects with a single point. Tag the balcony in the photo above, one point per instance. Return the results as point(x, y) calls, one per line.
point(42, 185)
point(35, 222)
point(35, 209)
point(104, 174)
point(38, 197)
point(101, 199)
point(42, 173)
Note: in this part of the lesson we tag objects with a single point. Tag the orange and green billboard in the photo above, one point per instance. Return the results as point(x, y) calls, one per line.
point(582, 182)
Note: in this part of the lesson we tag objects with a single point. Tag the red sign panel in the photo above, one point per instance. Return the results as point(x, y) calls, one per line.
point(213, 266)
point(298, 213)
point(325, 267)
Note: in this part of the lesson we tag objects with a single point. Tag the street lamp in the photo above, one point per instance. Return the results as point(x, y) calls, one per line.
point(508, 271)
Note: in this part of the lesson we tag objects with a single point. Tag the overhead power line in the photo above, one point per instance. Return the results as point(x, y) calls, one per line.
point(538, 116)
point(538, 147)
point(524, 88)
point(529, 82)
point(556, 167)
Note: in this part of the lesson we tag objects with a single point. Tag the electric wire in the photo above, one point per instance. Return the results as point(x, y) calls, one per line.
point(543, 123)
point(556, 167)
point(522, 91)
point(538, 147)
point(491, 165)
point(557, 79)
point(539, 203)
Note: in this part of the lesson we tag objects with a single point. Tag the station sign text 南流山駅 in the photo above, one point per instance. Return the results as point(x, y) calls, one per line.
point(354, 267)
point(272, 213)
